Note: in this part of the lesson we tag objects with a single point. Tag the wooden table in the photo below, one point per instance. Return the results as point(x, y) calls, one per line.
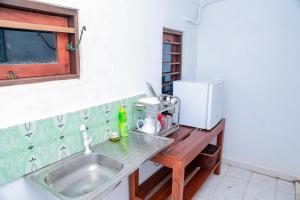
point(181, 174)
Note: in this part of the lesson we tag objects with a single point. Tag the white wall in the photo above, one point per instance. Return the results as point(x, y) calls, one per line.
point(254, 46)
point(121, 49)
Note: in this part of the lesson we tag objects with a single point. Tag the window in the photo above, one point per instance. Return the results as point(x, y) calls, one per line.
point(33, 42)
point(171, 64)
point(22, 47)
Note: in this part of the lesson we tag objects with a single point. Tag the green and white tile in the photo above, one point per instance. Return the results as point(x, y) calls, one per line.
point(13, 167)
point(11, 141)
point(30, 146)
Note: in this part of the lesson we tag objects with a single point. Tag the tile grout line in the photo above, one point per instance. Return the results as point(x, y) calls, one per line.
point(297, 190)
point(252, 173)
point(226, 174)
point(214, 191)
point(259, 170)
point(285, 192)
point(276, 188)
point(239, 177)
point(222, 177)
point(248, 182)
point(259, 173)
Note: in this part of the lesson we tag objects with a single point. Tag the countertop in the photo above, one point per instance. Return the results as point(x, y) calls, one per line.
point(132, 151)
point(24, 189)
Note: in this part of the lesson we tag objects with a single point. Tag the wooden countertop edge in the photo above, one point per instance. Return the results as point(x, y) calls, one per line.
point(195, 145)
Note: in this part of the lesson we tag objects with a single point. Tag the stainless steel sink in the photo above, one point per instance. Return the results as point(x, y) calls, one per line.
point(82, 175)
point(93, 176)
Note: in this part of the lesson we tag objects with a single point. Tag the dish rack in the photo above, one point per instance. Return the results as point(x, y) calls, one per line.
point(169, 105)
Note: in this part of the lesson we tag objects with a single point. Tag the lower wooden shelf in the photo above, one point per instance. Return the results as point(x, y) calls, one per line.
point(197, 181)
point(159, 185)
point(181, 175)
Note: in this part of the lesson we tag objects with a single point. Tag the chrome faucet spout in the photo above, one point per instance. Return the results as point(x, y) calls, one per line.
point(86, 139)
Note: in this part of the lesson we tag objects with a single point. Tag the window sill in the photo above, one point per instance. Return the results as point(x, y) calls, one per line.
point(38, 79)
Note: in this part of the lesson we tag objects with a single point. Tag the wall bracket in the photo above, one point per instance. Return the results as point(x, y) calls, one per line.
point(70, 45)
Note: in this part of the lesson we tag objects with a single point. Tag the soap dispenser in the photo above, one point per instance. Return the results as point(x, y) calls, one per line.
point(123, 122)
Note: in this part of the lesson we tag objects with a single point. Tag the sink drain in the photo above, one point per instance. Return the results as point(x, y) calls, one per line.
point(87, 190)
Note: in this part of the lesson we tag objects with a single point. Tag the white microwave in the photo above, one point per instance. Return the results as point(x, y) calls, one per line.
point(201, 102)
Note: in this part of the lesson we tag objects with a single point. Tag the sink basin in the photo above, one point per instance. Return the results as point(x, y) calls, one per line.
point(93, 176)
point(82, 175)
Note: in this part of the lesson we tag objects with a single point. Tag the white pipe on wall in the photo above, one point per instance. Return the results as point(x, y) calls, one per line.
point(200, 9)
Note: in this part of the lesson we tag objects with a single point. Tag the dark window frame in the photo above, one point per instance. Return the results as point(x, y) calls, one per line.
point(71, 15)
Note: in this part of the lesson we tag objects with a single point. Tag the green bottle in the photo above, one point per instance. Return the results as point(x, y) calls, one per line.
point(123, 122)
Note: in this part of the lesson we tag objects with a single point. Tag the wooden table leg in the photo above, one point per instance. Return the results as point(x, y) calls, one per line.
point(220, 142)
point(177, 181)
point(134, 184)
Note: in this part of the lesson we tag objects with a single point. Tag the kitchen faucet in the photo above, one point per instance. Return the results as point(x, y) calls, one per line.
point(86, 139)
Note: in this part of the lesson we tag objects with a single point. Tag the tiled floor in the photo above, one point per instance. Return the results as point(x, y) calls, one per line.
point(239, 184)
point(297, 190)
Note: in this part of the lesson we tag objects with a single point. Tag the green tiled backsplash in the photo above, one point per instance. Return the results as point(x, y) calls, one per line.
point(33, 145)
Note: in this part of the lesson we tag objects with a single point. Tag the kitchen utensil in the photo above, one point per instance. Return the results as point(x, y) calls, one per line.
point(148, 125)
point(149, 100)
point(168, 121)
point(151, 89)
point(167, 126)
point(162, 119)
